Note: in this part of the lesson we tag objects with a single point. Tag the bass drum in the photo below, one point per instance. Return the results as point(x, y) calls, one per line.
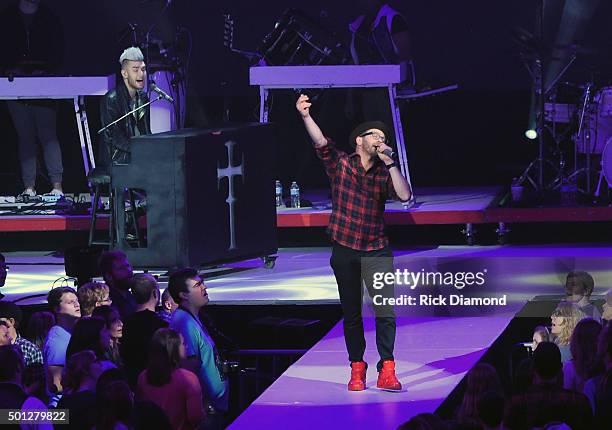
point(606, 161)
point(597, 127)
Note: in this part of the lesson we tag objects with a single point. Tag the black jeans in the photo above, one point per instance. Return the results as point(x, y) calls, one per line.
point(352, 268)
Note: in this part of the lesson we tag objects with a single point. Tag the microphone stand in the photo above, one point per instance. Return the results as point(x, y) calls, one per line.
point(129, 113)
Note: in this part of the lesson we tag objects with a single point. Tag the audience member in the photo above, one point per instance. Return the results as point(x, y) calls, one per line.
point(594, 387)
point(117, 273)
point(79, 383)
point(12, 394)
point(33, 378)
point(138, 328)
point(5, 335)
point(546, 401)
point(188, 290)
point(540, 334)
point(168, 306)
point(176, 391)
point(64, 303)
point(480, 379)
point(579, 286)
point(564, 320)
point(115, 326)
point(3, 272)
point(91, 295)
point(39, 325)
point(584, 363)
point(91, 334)
point(606, 316)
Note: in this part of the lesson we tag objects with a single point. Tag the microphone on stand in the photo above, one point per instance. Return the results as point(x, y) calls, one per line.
point(161, 92)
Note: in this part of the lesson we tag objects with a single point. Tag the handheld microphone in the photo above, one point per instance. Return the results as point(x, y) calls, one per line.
point(161, 92)
point(389, 153)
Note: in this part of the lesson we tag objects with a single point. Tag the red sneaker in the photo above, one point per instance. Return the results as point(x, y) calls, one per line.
point(358, 376)
point(386, 377)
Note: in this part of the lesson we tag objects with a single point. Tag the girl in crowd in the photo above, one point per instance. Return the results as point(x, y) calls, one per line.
point(564, 320)
point(115, 326)
point(91, 334)
point(177, 391)
point(540, 334)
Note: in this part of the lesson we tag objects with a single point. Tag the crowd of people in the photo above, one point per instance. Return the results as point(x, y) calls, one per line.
point(565, 383)
point(117, 354)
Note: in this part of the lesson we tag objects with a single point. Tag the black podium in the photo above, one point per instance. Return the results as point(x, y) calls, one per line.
point(209, 196)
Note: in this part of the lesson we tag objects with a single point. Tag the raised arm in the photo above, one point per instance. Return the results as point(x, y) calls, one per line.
point(303, 106)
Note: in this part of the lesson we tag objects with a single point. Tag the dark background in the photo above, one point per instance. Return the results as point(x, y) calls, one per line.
point(470, 136)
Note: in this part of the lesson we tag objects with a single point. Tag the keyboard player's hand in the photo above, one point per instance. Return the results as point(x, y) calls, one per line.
point(303, 105)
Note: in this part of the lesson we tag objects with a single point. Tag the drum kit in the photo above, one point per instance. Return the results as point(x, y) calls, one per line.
point(588, 118)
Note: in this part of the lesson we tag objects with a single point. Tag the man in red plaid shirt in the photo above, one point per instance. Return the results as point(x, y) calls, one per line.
point(361, 183)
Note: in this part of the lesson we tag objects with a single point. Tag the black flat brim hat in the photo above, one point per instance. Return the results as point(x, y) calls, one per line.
point(369, 125)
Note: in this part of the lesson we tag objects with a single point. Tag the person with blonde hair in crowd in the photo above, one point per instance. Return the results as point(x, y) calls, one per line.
point(564, 319)
point(91, 295)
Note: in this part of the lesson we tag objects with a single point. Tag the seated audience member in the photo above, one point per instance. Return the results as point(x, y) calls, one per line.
point(12, 394)
point(176, 391)
point(64, 303)
point(34, 373)
point(79, 383)
point(424, 422)
point(115, 326)
point(481, 378)
point(114, 407)
point(564, 320)
point(491, 410)
point(91, 295)
point(38, 327)
point(606, 316)
point(546, 401)
point(5, 335)
point(188, 290)
point(138, 328)
point(168, 306)
point(117, 273)
point(91, 334)
point(579, 286)
point(540, 334)
point(584, 363)
point(3, 273)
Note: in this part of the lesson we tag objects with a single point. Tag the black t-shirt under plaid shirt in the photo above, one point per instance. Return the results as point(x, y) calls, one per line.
point(358, 199)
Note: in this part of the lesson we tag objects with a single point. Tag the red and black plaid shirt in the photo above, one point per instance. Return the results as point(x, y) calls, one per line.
point(358, 199)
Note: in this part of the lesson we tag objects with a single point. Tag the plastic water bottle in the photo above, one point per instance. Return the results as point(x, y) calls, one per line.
point(295, 195)
point(279, 194)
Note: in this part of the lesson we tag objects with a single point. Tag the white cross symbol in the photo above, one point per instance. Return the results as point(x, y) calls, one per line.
point(229, 172)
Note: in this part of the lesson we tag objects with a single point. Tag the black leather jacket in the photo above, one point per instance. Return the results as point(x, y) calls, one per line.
point(115, 143)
